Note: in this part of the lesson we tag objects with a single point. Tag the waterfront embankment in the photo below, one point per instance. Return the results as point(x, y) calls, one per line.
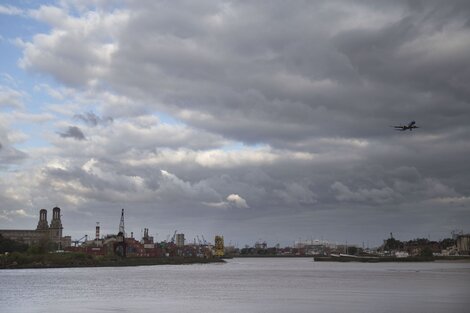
point(61, 260)
point(374, 259)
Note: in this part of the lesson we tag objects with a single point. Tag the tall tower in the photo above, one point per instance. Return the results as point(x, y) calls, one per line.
point(56, 225)
point(42, 224)
point(97, 234)
point(121, 225)
point(120, 246)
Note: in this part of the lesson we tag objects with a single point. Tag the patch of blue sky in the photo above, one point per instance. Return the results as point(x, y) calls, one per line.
point(34, 102)
point(35, 139)
point(35, 136)
point(40, 98)
point(15, 28)
point(77, 9)
point(167, 118)
point(27, 4)
point(21, 25)
point(10, 54)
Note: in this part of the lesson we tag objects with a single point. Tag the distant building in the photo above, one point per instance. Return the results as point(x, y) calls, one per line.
point(312, 247)
point(401, 254)
point(147, 240)
point(43, 231)
point(463, 244)
point(219, 246)
point(261, 245)
point(180, 240)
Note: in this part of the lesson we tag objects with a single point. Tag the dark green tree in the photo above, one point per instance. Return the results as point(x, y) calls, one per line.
point(393, 244)
point(43, 246)
point(426, 251)
point(8, 245)
point(352, 250)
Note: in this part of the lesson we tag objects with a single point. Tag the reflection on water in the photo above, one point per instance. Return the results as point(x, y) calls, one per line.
point(242, 285)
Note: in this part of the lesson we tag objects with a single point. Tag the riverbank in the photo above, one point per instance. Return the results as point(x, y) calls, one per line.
point(367, 259)
point(271, 256)
point(64, 260)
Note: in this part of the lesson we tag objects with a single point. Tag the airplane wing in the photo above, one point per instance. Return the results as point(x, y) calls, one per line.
point(405, 127)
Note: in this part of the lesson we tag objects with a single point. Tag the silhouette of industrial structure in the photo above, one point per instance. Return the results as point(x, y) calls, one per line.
point(127, 246)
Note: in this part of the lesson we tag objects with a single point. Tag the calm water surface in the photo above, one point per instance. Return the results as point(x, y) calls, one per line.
point(241, 285)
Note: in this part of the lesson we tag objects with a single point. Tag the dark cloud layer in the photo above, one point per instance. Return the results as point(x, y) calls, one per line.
point(92, 119)
point(281, 115)
point(73, 132)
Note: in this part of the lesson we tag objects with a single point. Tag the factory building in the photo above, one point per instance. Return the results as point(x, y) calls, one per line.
point(180, 240)
point(122, 246)
point(463, 244)
point(43, 231)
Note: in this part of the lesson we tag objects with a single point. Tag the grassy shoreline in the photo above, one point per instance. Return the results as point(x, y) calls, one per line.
point(70, 260)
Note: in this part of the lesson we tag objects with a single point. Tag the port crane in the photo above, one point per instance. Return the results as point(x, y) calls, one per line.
point(174, 236)
point(120, 246)
point(121, 225)
point(81, 240)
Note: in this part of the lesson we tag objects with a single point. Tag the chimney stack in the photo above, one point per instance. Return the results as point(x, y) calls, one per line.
point(97, 231)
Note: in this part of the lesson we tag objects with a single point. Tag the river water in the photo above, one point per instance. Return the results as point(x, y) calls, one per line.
point(241, 285)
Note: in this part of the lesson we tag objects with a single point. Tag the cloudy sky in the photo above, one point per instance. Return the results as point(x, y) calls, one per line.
point(253, 119)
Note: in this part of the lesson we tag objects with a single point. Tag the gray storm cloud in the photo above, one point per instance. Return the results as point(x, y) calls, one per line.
point(73, 132)
point(92, 119)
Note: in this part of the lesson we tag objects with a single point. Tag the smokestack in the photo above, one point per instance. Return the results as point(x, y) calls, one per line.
point(97, 231)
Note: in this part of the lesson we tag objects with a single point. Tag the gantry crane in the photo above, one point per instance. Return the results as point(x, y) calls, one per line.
point(174, 236)
point(81, 240)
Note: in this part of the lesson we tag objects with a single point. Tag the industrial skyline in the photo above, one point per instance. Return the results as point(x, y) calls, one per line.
point(129, 244)
point(266, 119)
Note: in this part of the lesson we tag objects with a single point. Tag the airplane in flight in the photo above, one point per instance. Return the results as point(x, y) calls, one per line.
point(410, 126)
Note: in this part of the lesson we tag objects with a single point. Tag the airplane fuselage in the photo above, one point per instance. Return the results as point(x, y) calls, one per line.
point(410, 126)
